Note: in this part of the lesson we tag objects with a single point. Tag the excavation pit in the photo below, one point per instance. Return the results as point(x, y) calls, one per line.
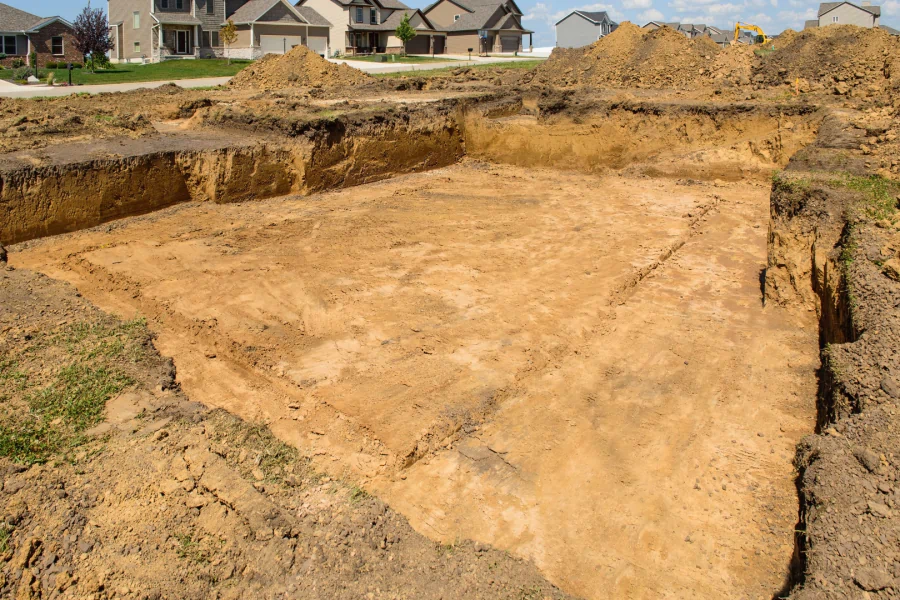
point(556, 347)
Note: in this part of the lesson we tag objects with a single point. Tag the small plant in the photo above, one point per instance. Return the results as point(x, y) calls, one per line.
point(357, 494)
point(405, 32)
point(879, 193)
point(228, 35)
point(5, 533)
point(17, 63)
point(190, 549)
point(50, 77)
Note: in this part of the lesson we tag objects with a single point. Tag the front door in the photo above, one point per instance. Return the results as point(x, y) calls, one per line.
point(181, 41)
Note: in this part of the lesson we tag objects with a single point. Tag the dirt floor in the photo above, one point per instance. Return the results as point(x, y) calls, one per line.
point(373, 329)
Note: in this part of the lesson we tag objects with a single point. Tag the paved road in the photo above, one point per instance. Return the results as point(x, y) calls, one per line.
point(11, 90)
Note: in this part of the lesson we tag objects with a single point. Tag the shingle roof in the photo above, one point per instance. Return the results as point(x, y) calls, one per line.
point(13, 19)
point(253, 10)
point(890, 30)
point(175, 18)
point(829, 6)
point(391, 23)
point(392, 4)
point(594, 17)
point(480, 16)
point(312, 16)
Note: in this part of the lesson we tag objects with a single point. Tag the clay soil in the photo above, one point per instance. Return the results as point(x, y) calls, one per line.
point(576, 369)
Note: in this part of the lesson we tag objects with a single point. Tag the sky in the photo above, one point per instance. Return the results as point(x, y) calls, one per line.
point(541, 15)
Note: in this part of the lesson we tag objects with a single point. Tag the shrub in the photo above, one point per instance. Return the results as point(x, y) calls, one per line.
point(2, 55)
point(52, 65)
point(21, 72)
point(77, 65)
point(17, 62)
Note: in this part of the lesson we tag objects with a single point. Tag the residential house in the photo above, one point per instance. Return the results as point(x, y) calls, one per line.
point(22, 33)
point(846, 13)
point(689, 30)
point(480, 25)
point(155, 30)
point(367, 26)
point(581, 28)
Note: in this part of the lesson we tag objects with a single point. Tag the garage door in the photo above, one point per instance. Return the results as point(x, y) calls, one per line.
point(279, 44)
point(419, 45)
point(510, 44)
point(318, 45)
point(439, 44)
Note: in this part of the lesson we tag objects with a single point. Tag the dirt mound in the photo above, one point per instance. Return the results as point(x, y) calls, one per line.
point(301, 67)
point(633, 57)
point(847, 59)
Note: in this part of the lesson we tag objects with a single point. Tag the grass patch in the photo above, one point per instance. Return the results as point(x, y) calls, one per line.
point(5, 534)
point(57, 387)
point(129, 73)
point(880, 194)
point(189, 549)
point(357, 495)
point(789, 184)
point(446, 71)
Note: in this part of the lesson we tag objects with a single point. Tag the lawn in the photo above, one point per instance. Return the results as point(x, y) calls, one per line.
point(127, 73)
point(394, 58)
point(520, 64)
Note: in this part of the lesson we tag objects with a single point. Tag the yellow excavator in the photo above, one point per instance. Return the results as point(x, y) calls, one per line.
point(746, 26)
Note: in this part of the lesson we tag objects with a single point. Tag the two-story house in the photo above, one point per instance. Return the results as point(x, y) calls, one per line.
point(367, 26)
point(846, 13)
point(582, 28)
point(483, 25)
point(49, 38)
point(155, 30)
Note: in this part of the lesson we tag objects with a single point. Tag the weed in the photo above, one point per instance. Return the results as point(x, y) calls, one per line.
point(357, 494)
point(879, 193)
point(188, 548)
point(789, 184)
point(5, 534)
point(530, 593)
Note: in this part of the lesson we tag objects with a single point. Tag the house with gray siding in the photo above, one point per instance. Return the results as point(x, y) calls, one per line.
point(846, 13)
point(155, 30)
point(581, 28)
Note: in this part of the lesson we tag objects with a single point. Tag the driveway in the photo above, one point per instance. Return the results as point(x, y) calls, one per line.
point(455, 60)
point(11, 90)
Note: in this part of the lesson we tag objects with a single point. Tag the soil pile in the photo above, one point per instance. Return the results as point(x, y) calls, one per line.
point(301, 67)
point(843, 58)
point(633, 57)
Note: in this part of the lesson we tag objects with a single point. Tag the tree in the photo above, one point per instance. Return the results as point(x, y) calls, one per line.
point(405, 31)
point(91, 33)
point(228, 33)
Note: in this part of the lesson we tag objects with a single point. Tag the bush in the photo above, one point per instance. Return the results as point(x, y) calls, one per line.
point(21, 72)
point(77, 65)
point(17, 63)
point(100, 60)
point(2, 55)
point(52, 65)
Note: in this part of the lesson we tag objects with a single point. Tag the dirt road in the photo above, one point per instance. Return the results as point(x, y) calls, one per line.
point(574, 368)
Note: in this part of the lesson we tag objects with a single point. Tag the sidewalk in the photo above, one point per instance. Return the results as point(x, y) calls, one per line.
point(457, 60)
point(11, 90)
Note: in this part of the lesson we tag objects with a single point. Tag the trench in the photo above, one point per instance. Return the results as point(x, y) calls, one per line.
point(672, 196)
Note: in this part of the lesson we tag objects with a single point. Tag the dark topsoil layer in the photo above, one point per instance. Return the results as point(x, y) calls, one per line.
point(157, 497)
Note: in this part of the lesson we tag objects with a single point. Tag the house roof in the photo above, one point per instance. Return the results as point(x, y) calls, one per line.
point(15, 20)
point(254, 10)
point(176, 18)
point(481, 12)
point(594, 17)
point(312, 17)
point(827, 7)
point(890, 30)
point(391, 4)
point(393, 20)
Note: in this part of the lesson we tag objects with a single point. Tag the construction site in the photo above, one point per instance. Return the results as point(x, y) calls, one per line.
point(623, 325)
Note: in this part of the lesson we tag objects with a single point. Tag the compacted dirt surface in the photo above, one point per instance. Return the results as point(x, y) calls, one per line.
point(620, 326)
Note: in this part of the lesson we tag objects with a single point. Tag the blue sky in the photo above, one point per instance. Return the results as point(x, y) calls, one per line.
point(540, 15)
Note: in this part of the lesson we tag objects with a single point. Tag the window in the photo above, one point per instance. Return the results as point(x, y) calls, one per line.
point(456, 17)
point(137, 47)
point(834, 19)
point(164, 3)
point(56, 45)
point(179, 4)
point(136, 19)
point(373, 16)
point(359, 14)
point(210, 8)
point(213, 39)
point(9, 45)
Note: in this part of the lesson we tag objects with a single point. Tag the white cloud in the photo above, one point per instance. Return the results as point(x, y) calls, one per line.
point(637, 3)
point(650, 15)
point(891, 7)
point(795, 18)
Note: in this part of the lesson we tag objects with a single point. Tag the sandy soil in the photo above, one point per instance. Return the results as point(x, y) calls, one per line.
point(539, 360)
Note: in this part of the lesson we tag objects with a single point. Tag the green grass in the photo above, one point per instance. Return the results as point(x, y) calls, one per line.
point(45, 410)
point(5, 534)
point(520, 64)
point(128, 73)
point(397, 59)
point(880, 194)
point(188, 548)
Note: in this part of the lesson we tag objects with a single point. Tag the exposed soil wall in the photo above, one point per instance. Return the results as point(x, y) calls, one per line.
point(702, 142)
point(830, 249)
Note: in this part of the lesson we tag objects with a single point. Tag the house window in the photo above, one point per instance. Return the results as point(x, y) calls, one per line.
point(213, 39)
point(210, 7)
point(373, 16)
point(9, 45)
point(56, 45)
point(164, 3)
point(136, 19)
point(137, 47)
point(456, 18)
point(834, 19)
point(359, 14)
point(179, 4)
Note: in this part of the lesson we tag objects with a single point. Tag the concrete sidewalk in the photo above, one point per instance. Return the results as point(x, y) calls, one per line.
point(32, 91)
point(400, 67)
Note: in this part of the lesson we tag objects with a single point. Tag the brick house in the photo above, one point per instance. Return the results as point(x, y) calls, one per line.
point(22, 33)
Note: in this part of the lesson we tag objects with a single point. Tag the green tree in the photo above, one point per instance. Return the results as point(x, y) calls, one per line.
point(229, 36)
point(405, 31)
